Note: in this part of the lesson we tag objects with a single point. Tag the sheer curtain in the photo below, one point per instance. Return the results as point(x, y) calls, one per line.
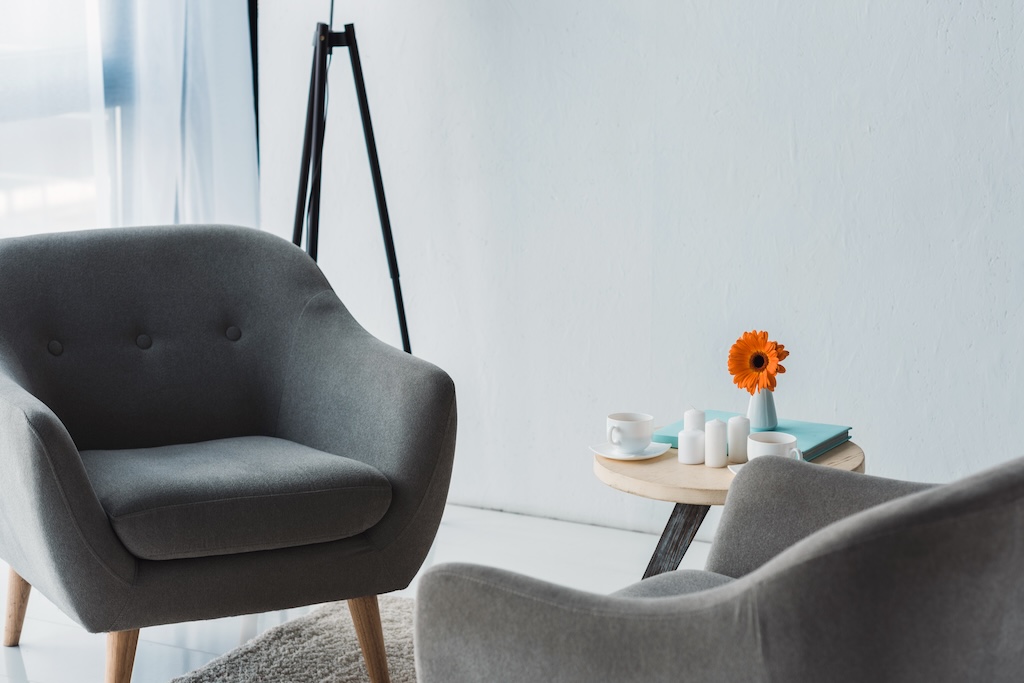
point(115, 112)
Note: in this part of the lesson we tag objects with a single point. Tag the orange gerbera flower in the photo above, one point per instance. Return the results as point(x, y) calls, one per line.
point(754, 361)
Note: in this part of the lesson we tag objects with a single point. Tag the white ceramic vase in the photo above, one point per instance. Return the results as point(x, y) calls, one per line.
point(761, 411)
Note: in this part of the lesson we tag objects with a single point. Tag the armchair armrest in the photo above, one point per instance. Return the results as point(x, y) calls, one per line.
point(348, 393)
point(478, 623)
point(53, 530)
point(775, 502)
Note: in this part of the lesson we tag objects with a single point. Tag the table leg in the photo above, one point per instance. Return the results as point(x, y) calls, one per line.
point(675, 539)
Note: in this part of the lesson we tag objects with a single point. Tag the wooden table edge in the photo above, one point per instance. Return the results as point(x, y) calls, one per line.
point(654, 490)
point(847, 456)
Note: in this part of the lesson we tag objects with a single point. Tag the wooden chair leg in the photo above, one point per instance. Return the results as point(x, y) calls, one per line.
point(366, 617)
point(18, 590)
point(121, 655)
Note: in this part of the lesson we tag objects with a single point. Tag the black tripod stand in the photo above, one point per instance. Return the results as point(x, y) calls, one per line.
point(313, 153)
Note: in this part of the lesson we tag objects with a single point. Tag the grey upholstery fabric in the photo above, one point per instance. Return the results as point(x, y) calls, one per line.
point(673, 583)
point(775, 505)
point(233, 496)
point(925, 586)
point(149, 337)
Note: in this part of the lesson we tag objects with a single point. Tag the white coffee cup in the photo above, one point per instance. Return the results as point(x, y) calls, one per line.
point(630, 432)
point(772, 443)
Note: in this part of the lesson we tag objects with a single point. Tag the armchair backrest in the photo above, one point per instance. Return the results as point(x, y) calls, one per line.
point(143, 337)
point(927, 587)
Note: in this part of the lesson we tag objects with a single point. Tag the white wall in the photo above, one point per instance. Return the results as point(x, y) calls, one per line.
point(593, 198)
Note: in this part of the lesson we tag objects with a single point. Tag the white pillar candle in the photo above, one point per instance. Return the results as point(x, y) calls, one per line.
point(691, 447)
point(715, 444)
point(693, 420)
point(739, 430)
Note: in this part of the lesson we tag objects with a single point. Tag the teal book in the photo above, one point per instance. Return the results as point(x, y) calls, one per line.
point(812, 438)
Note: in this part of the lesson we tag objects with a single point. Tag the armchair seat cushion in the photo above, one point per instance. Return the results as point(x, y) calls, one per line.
point(233, 496)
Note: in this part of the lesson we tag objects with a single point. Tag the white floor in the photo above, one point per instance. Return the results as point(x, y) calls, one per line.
point(56, 650)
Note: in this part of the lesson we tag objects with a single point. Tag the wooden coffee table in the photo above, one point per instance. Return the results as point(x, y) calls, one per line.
point(694, 489)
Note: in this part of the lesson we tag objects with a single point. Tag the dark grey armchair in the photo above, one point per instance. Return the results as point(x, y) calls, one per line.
point(193, 426)
point(814, 575)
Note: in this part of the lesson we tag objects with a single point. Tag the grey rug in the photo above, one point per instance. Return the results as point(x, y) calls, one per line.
point(320, 647)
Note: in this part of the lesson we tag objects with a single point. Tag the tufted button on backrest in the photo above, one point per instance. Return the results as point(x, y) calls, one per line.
point(181, 294)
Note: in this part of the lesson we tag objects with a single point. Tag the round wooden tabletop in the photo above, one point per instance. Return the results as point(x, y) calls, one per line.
point(665, 478)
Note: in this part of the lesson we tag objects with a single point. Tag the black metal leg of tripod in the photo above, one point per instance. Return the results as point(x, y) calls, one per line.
point(378, 182)
point(312, 156)
point(321, 51)
point(313, 146)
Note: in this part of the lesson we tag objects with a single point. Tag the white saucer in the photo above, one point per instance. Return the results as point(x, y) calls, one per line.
point(609, 451)
point(735, 469)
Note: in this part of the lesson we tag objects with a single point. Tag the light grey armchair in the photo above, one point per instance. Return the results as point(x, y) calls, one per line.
point(814, 575)
point(193, 426)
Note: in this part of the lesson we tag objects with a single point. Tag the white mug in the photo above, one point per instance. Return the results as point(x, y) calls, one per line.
point(773, 443)
point(630, 432)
